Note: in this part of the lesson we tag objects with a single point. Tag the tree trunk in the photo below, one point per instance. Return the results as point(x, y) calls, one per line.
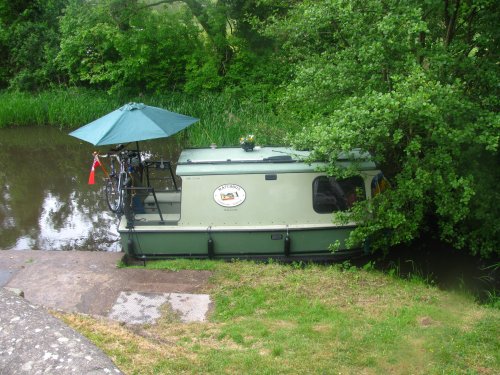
point(450, 20)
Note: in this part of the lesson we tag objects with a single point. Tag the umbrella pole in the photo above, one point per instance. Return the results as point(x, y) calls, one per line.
point(140, 160)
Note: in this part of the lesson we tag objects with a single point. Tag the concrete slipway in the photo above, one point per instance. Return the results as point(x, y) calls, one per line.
point(34, 342)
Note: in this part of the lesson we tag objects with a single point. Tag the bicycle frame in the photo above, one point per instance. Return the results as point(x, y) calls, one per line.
point(122, 175)
point(121, 184)
point(117, 181)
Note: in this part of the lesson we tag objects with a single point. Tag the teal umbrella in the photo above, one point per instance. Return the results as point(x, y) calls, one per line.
point(133, 122)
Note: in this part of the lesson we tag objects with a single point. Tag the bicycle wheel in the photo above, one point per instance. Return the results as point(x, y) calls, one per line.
point(113, 194)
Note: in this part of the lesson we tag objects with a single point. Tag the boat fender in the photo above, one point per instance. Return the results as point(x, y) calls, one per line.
point(210, 248)
point(130, 246)
point(210, 244)
point(287, 243)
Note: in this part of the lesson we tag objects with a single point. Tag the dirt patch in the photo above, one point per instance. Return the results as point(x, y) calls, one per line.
point(425, 321)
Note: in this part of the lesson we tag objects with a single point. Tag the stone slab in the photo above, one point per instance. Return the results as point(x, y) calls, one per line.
point(34, 342)
point(145, 308)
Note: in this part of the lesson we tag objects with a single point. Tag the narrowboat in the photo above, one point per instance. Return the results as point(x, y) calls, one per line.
point(266, 202)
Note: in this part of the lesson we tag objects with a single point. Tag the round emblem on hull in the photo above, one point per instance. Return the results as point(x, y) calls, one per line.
point(229, 195)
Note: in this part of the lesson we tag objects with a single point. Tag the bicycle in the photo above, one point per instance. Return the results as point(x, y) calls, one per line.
point(123, 166)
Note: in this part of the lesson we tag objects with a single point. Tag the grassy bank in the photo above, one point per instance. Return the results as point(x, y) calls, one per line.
point(282, 319)
point(222, 120)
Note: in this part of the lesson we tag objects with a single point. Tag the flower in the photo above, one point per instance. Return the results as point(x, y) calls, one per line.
point(248, 142)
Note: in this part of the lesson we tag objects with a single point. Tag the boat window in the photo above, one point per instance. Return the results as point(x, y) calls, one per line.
point(330, 194)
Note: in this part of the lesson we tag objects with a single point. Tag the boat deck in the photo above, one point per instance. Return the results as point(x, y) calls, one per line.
point(155, 219)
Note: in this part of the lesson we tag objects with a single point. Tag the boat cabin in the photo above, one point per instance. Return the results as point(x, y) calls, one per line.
point(231, 203)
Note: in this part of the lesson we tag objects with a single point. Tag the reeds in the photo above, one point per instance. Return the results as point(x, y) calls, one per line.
point(223, 120)
point(62, 108)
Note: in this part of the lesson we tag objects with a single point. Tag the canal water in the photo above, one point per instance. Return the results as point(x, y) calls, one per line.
point(45, 200)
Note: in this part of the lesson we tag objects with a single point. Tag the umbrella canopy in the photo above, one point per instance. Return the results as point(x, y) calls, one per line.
point(133, 122)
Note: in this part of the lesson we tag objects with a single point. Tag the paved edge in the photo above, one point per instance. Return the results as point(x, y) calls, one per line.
point(34, 342)
point(87, 282)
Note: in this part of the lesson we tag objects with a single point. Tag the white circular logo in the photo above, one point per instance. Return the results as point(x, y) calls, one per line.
point(229, 195)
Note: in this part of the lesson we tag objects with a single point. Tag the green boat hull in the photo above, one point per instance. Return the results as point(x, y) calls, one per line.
point(237, 243)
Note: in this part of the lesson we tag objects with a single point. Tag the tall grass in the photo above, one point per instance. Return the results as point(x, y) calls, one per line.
point(62, 108)
point(223, 120)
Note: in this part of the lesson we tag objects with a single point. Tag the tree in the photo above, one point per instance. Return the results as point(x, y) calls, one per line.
point(29, 41)
point(158, 45)
point(122, 45)
point(257, 67)
point(416, 83)
point(146, 46)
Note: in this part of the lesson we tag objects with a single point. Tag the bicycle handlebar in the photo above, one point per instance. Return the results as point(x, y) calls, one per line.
point(118, 155)
point(119, 147)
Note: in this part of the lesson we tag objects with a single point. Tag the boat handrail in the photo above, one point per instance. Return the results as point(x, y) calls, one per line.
point(161, 164)
point(270, 159)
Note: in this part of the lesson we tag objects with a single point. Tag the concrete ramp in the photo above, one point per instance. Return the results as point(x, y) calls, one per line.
point(89, 282)
point(142, 308)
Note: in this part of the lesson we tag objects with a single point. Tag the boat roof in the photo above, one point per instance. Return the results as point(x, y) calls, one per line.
point(235, 160)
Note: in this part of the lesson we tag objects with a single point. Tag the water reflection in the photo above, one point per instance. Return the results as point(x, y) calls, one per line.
point(45, 201)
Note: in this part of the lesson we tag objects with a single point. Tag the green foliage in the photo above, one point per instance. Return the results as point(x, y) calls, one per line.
point(416, 84)
point(29, 40)
point(137, 50)
point(202, 74)
point(253, 75)
point(421, 132)
point(131, 46)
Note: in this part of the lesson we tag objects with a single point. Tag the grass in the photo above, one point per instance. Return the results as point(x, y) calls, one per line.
point(61, 108)
point(223, 120)
point(284, 319)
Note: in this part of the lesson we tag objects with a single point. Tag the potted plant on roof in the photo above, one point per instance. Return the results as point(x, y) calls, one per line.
point(247, 143)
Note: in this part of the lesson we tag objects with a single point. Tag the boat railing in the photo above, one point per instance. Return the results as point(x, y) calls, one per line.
point(270, 159)
point(161, 165)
